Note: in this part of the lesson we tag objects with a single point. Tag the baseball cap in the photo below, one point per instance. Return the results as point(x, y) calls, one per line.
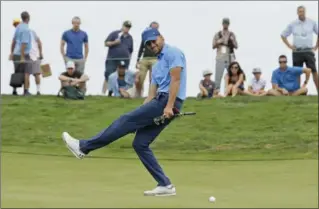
point(121, 64)
point(127, 23)
point(150, 34)
point(207, 72)
point(226, 20)
point(256, 70)
point(70, 64)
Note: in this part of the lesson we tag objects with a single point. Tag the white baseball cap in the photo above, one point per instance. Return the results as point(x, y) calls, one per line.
point(207, 72)
point(70, 64)
point(257, 70)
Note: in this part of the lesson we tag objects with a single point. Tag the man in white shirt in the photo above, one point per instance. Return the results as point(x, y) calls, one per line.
point(257, 85)
point(36, 57)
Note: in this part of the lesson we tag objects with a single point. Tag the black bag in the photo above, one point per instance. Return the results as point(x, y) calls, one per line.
point(71, 92)
point(229, 44)
point(17, 80)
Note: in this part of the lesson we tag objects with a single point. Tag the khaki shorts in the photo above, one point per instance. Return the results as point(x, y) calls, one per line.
point(132, 92)
point(145, 66)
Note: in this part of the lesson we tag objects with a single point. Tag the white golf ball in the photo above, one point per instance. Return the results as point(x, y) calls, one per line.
point(212, 199)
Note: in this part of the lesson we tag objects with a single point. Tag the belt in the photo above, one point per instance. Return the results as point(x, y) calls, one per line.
point(160, 94)
point(303, 49)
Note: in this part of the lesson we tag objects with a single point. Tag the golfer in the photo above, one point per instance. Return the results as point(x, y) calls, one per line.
point(167, 91)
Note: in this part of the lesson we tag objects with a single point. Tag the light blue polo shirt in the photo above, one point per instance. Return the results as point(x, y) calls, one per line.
point(113, 85)
point(21, 36)
point(169, 58)
point(287, 79)
point(302, 32)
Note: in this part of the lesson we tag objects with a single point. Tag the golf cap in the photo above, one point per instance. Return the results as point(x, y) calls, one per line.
point(127, 24)
point(150, 34)
point(256, 70)
point(70, 64)
point(121, 64)
point(226, 20)
point(207, 72)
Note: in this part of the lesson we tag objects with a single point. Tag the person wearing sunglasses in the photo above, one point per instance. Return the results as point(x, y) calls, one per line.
point(166, 95)
point(285, 79)
point(234, 80)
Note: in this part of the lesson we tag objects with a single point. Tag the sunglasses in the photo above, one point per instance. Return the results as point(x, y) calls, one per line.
point(150, 42)
point(282, 62)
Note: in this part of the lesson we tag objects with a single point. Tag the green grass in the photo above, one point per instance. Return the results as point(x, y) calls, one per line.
point(233, 149)
point(242, 128)
point(56, 182)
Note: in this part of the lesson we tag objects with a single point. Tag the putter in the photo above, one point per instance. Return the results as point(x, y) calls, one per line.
point(161, 119)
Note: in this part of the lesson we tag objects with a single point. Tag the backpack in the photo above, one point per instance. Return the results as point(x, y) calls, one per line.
point(71, 92)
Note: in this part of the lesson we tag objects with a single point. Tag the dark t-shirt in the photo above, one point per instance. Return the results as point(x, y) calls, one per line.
point(76, 74)
point(208, 85)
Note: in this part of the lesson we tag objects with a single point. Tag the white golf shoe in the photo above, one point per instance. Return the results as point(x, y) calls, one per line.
point(73, 145)
point(161, 191)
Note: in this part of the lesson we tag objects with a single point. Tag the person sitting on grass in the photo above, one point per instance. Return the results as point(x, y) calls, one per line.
point(206, 86)
point(234, 80)
point(257, 85)
point(286, 80)
point(73, 77)
point(124, 83)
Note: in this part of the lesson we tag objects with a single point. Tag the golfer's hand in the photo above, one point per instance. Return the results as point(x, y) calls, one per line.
point(168, 112)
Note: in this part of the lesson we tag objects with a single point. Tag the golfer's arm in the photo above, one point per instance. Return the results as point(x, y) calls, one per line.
point(151, 93)
point(174, 87)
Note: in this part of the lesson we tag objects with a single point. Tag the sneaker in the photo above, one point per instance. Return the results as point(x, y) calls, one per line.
point(161, 191)
point(27, 93)
point(73, 145)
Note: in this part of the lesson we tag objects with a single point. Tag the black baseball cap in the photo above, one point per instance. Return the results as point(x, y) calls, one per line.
point(127, 23)
point(121, 64)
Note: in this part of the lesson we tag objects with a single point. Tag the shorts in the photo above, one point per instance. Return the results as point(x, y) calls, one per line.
point(22, 67)
point(132, 92)
point(36, 67)
point(307, 57)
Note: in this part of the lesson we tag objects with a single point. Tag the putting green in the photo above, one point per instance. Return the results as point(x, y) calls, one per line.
point(52, 182)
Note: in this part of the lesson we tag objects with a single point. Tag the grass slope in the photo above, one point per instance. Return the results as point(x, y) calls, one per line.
point(242, 128)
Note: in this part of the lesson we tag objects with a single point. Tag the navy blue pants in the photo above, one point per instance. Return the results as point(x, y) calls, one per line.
point(141, 121)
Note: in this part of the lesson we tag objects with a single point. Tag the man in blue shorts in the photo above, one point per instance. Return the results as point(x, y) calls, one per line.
point(167, 92)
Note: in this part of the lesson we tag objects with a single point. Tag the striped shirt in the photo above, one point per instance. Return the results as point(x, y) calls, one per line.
point(302, 32)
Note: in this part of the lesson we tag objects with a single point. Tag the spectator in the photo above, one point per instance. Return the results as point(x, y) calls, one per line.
point(234, 80)
point(15, 23)
point(124, 83)
point(120, 44)
point(36, 57)
point(206, 86)
point(302, 48)
point(73, 77)
point(149, 58)
point(257, 85)
point(285, 79)
point(20, 49)
point(75, 38)
point(225, 42)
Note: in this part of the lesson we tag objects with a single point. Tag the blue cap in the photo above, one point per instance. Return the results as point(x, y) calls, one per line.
point(150, 34)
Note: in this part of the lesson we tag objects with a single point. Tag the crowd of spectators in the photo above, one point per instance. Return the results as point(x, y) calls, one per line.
point(120, 81)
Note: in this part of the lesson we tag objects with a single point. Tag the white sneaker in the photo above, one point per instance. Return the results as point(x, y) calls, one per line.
point(162, 191)
point(73, 145)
